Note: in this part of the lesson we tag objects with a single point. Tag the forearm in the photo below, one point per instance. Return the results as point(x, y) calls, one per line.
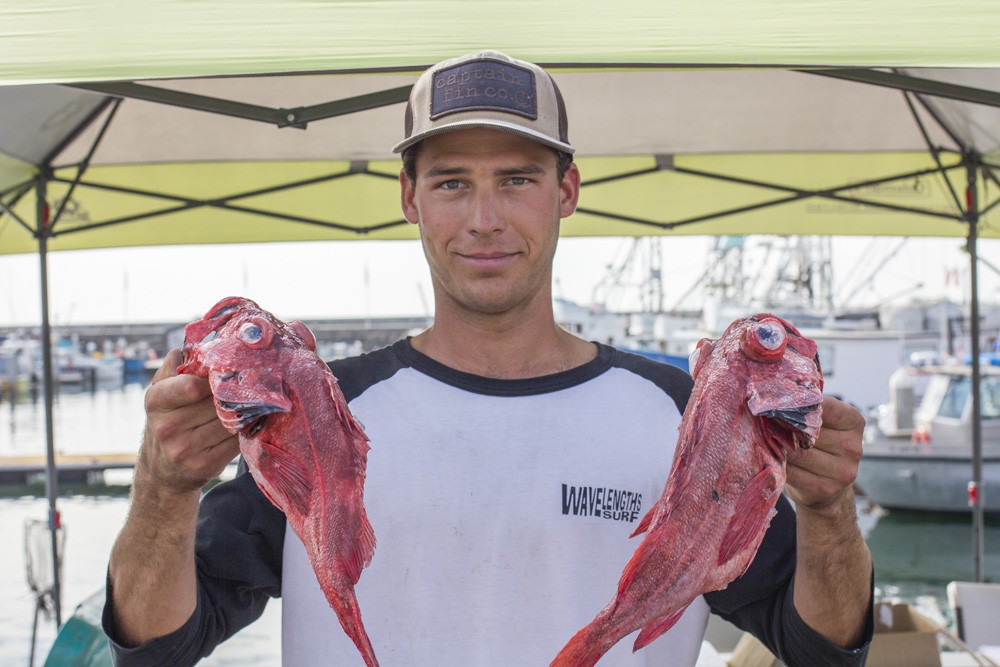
point(833, 571)
point(152, 566)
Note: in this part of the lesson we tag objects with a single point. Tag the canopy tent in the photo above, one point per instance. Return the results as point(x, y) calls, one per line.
point(679, 117)
point(172, 123)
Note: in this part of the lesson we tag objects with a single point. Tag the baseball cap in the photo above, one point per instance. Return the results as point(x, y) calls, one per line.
point(486, 89)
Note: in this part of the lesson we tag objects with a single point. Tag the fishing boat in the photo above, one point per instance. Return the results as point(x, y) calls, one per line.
point(792, 277)
point(19, 358)
point(81, 641)
point(928, 466)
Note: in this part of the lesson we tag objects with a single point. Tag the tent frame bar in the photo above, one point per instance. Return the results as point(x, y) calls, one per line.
point(976, 489)
point(51, 473)
point(298, 117)
point(795, 195)
point(9, 210)
point(81, 167)
point(186, 203)
point(663, 164)
point(913, 84)
point(77, 131)
point(934, 152)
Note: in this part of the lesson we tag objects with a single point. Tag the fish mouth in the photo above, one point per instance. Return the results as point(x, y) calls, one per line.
point(248, 418)
point(798, 420)
point(794, 417)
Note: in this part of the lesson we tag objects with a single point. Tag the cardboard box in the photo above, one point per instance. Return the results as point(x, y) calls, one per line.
point(903, 638)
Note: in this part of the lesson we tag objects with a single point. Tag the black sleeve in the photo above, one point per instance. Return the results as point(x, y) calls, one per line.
point(760, 602)
point(238, 553)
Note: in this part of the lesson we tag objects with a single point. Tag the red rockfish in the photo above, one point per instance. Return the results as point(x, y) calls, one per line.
point(303, 447)
point(757, 394)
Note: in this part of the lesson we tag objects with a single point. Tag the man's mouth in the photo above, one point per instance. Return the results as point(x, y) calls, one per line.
point(488, 260)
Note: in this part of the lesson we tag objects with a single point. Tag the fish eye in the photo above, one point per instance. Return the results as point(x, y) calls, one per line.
point(256, 332)
point(770, 334)
point(250, 333)
point(765, 339)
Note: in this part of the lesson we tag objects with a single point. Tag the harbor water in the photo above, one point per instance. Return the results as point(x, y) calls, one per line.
point(916, 555)
point(100, 420)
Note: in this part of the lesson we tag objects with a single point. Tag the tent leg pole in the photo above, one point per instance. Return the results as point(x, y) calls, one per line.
point(51, 479)
point(976, 485)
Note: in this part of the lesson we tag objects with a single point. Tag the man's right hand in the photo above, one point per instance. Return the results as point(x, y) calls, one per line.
point(152, 566)
point(184, 444)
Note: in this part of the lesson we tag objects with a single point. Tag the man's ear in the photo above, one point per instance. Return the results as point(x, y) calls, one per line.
point(569, 191)
point(407, 197)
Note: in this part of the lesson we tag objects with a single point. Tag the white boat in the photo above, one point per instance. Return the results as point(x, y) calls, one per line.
point(75, 367)
point(929, 467)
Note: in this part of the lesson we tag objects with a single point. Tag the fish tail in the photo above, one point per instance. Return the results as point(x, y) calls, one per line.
point(580, 651)
point(365, 647)
point(349, 615)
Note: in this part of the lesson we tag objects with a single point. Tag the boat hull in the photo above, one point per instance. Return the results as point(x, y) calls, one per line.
point(926, 482)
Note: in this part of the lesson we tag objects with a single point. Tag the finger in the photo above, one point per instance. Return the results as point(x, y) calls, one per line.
point(175, 392)
point(801, 476)
point(835, 459)
point(213, 433)
point(190, 462)
point(168, 368)
point(841, 416)
point(812, 459)
point(212, 445)
point(167, 424)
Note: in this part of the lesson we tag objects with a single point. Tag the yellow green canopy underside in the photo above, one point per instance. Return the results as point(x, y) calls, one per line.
point(208, 202)
point(716, 117)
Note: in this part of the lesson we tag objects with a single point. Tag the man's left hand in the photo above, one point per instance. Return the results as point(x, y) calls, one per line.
point(821, 476)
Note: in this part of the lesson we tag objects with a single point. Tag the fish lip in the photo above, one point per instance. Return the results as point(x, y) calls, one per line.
point(793, 417)
point(251, 415)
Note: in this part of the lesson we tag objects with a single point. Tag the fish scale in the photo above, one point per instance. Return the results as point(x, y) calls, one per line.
point(302, 446)
point(757, 395)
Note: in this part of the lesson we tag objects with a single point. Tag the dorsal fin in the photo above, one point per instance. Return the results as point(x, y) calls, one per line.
point(364, 550)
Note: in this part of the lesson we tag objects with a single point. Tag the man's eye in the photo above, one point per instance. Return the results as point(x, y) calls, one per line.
point(450, 185)
point(519, 180)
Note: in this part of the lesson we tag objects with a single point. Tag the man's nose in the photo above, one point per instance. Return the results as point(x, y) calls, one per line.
point(487, 215)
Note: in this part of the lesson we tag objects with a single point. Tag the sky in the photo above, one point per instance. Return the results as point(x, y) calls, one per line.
point(381, 278)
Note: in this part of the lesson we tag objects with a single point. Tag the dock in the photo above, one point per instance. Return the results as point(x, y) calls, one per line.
point(70, 468)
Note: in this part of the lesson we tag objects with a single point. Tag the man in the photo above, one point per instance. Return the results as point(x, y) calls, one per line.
point(510, 459)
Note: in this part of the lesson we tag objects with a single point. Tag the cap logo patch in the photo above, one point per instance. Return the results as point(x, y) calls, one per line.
point(484, 85)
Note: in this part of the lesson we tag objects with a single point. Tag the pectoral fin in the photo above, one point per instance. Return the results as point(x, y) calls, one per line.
point(288, 477)
point(756, 501)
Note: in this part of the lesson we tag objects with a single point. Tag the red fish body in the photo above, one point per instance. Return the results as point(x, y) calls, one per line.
point(302, 445)
point(756, 395)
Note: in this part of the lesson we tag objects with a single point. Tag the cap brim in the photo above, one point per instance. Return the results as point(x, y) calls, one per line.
point(487, 123)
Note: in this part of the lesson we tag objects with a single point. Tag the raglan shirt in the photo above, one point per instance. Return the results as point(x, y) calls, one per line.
point(502, 511)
